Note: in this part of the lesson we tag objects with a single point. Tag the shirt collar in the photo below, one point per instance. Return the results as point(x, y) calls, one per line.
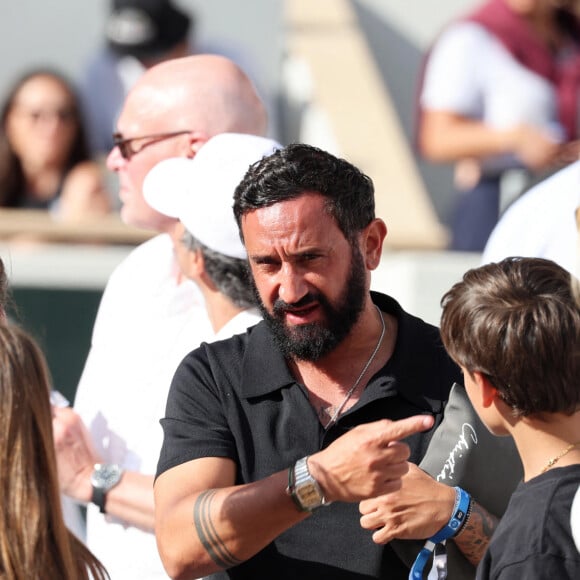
point(263, 359)
point(403, 374)
point(415, 352)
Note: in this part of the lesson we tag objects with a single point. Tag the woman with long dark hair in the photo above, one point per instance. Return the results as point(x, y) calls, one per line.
point(44, 159)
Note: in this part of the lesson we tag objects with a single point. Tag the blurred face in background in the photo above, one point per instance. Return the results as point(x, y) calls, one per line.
point(42, 123)
point(147, 129)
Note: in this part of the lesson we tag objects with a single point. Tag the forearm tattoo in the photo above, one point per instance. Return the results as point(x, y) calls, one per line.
point(207, 533)
point(476, 534)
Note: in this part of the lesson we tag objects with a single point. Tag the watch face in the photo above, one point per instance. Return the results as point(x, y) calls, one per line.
point(105, 476)
point(308, 494)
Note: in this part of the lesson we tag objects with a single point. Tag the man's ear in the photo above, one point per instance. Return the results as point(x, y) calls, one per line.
point(193, 265)
point(488, 392)
point(195, 141)
point(197, 263)
point(373, 237)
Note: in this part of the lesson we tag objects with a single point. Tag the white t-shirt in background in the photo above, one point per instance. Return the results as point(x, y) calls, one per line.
point(146, 323)
point(541, 223)
point(470, 72)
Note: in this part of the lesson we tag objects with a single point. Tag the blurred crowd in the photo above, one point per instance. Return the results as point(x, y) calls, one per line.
point(499, 98)
point(249, 408)
point(56, 132)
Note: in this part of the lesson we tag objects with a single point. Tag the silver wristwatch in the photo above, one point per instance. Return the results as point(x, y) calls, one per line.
point(104, 477)
point(303, 488)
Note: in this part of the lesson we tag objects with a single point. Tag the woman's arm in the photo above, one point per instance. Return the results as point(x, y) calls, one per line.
point(448, 137)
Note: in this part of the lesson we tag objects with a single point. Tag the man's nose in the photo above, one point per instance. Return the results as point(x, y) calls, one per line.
point(114, 159)
point(292, 285)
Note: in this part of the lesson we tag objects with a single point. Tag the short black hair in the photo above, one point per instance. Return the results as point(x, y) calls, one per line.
point(298, 169)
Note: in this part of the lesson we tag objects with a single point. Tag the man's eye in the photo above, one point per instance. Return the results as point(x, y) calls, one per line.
point(267, 263)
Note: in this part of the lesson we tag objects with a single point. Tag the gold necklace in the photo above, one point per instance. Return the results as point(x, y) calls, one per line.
point(559, 456)
point(334, 417)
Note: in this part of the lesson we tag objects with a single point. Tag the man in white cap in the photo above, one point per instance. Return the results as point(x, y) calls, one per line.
point(150, 315)
point(206, 239)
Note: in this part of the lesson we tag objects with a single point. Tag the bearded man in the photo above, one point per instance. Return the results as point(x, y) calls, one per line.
point(273, 437)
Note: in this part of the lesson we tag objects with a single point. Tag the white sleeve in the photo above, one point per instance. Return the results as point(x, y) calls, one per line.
point(575, 519)
point(516, 234)
point(541, 222)
point(114, 319)
point(97, 364)
point(454, 71)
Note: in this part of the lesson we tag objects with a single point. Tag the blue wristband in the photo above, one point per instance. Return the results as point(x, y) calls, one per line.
point(462, 499)
point(421, 560)
point(460, 512)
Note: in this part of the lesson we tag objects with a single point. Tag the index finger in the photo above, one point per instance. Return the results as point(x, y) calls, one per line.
point(396, 430)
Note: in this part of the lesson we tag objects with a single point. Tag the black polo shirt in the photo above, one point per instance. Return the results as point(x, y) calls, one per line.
point(236, 398)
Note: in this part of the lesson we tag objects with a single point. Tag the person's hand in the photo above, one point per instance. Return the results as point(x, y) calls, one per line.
point(535, 148)
point(467, 173)
point(367, 461)
point(75, 454)
point(417, 510)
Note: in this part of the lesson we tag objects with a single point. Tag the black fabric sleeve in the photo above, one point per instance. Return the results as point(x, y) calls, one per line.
point(195, 424)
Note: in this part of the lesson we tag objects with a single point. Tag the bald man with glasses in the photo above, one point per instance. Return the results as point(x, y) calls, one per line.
point(150, 315)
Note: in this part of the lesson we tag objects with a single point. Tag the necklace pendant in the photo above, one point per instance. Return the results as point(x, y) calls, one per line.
point(338, 410)
point(325, 415)
point(555, 460)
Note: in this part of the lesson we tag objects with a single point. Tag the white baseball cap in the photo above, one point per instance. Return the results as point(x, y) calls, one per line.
point(200, 191)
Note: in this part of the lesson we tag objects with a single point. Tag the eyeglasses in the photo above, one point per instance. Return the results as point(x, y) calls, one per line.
point(126, 148)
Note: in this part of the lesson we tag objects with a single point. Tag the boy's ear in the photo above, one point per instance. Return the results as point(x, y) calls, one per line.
point(488, 392)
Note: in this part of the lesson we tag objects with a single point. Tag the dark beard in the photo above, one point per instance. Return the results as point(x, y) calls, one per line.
point(312, 341)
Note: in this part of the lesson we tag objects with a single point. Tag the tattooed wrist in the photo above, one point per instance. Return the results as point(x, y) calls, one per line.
point(476, 534)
